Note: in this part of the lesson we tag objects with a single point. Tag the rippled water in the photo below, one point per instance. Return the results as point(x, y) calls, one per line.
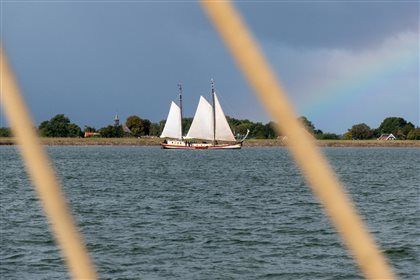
point(158, 214)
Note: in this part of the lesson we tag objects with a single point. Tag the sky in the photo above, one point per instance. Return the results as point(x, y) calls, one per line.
point(341, 62)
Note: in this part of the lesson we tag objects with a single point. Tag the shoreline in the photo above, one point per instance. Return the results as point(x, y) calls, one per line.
point(248, 143)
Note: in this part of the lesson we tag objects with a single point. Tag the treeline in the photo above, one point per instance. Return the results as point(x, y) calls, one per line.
point(135, 126)
point(399, 127)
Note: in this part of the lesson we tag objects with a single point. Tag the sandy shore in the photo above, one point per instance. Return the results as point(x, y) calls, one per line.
point(247, 143)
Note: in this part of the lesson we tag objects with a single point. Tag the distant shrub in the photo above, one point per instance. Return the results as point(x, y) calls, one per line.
point(59, 126)
point(328, 136)
point(5, 132)
point(414, 134)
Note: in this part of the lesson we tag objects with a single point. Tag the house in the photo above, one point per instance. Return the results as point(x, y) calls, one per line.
point(127, 131)
point(387, 137)
point(91, 134)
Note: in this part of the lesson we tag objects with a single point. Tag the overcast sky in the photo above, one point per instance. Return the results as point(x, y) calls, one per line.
point(341, 62)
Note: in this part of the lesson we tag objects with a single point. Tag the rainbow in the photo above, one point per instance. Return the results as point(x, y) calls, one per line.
point(326, 95)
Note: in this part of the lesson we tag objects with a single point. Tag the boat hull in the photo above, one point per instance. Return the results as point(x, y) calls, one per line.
point(201, 146)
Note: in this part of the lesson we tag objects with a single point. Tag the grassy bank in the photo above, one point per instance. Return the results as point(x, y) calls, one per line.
point(91, 141)
point(337, 143)
point(368, 143)
point(247, 143)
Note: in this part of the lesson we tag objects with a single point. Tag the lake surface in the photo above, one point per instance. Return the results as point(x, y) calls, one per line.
point(147, 213)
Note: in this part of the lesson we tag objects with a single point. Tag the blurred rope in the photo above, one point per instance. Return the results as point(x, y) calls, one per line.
point(316, 169)
point(43, 177)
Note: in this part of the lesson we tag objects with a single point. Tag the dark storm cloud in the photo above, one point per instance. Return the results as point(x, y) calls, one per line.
point(91, 60)
point(95, 59)
point(324, 24)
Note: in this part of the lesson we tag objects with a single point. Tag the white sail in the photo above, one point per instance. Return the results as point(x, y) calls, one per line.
point(223, 131)
point(202, 125)
point(172, 127)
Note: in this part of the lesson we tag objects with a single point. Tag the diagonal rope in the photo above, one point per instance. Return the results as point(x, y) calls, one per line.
point(43, 177)
point(316, 169)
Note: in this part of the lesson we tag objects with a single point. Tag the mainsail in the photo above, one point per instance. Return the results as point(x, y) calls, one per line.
point(202, 126)
point(173, 123)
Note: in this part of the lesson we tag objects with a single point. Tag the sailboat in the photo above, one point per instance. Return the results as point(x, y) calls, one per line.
point(209, 126)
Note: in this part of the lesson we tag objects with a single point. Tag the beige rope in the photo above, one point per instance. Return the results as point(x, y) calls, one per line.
point(316, 169)
point(43, 177)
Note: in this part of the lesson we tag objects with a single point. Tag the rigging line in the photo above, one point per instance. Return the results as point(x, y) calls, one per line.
point(226, 104)
point(43, 177)
point(223, 101)
point(308, 157)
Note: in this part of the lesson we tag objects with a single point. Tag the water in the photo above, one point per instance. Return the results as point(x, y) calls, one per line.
point(158, 214)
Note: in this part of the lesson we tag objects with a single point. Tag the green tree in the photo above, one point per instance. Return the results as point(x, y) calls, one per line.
point(74, 130)
point(59, 126)
point(138, 126)
point(234, 122)
point(414, 134)
point(89, 129)
point(186, 124)
point(5, 132)
point(161, 126)
point(241, 129)
point(135, 124)
point(405, 130)
point(361, 131)
point(397, 126)
point(318, 132)
point(308, 124)
point(259, 131)
point(154, 129)
point(112, 131)
point(376, 133)
point(146, 127)
point(347, 135)
point(327, 136)
point(270, 130)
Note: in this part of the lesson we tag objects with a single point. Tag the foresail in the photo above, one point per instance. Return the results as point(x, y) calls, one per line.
point(202, 124)
point(172, 127)
point(223, 131)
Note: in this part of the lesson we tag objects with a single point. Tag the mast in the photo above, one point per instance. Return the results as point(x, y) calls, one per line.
point(180, 105)
point(214, 111)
